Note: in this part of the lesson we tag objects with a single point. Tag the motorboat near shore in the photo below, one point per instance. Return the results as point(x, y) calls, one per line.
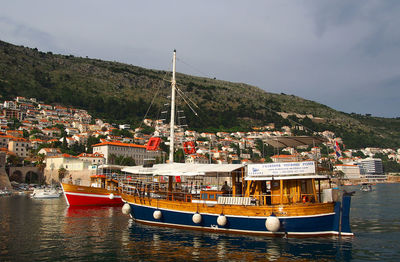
point(44, 193)
point(102, 191)
point(366, 187)
point(265, 199)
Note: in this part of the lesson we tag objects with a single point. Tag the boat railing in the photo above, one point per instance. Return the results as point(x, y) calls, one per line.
point(183, 195)
point(286, 198)
point(139, 190)
point(145, 187)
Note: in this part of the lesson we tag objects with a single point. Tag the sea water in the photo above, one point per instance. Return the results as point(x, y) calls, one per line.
point(49, 230)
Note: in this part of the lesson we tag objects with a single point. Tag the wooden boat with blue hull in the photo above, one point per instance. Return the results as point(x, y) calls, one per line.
point(265, 199)
point(288, 204)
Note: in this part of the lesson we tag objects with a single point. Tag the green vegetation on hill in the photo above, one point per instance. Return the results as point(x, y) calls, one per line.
point(123, 93)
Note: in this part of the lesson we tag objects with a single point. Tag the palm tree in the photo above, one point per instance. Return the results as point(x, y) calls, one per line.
point(111, 159)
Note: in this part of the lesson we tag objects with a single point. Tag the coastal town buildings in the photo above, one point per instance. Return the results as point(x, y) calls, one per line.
point(52, 126)
point(19, 146)
point(50, 152)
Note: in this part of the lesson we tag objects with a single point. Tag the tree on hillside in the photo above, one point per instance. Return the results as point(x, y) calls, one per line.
point(112, 158)
point(14, 160)
point(179, 156)
point(237, 148)
point(121, 160)
point(14, 124)
point(91, 141)
point(359, 154)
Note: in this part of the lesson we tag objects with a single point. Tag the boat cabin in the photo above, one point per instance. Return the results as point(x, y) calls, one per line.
point(234, 184)
point(284, 183)
point(103, 181)
point(106, 177)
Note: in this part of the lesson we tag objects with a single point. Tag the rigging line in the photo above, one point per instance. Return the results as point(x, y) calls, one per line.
point(191, 108)
point(194, 68)
point(190, 100)
point(158, 90)
point(152, 101)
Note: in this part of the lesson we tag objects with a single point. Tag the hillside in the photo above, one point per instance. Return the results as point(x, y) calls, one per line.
point(120, 92)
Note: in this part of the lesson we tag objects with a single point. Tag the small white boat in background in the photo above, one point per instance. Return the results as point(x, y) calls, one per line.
point(365, 187)
point(41, 193)
point(5, 192)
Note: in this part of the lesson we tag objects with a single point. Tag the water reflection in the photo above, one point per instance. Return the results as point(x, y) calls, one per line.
point(173, 244)
point(48, 230)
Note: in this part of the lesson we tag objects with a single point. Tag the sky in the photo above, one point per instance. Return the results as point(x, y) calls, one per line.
point(341, 53)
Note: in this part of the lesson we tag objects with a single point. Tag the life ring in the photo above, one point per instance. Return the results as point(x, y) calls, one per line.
point(189, 147)
point(305, 199)
point(153, 144)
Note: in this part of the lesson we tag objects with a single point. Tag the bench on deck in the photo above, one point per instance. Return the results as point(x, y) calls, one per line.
point(243, 201)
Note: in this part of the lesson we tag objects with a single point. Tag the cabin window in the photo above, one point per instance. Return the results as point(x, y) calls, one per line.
point(204, 196)
point(212, 196)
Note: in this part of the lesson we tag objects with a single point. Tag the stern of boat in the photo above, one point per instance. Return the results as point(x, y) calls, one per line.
point(342, 215)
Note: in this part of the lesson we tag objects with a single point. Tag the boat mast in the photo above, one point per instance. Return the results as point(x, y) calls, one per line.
point(172, 123)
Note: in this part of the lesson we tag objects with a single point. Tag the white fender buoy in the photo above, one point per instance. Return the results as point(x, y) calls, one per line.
point(272, 223)
point(111, 196)
point(126, 209)
point(157, 214)
point(222, 220)
point(196, 218)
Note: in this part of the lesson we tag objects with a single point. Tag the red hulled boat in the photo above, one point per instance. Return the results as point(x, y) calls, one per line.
point(103, 191)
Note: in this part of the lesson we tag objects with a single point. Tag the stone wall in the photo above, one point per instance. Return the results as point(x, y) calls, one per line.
point(4, 180)
point(81, 177)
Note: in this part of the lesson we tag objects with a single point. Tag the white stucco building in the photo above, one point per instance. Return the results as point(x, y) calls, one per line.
point(137, 152)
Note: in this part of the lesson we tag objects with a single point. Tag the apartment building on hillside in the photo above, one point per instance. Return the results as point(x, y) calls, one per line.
point(137, 152)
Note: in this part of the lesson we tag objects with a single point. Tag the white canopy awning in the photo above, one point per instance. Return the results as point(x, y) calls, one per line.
point(107, 166)
point(183, 169)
